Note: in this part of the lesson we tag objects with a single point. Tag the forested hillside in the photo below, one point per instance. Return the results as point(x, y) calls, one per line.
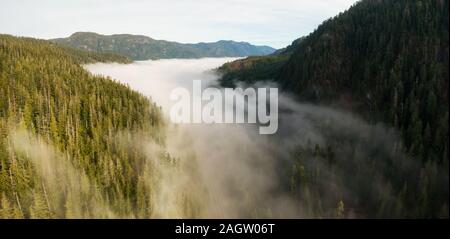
point(385, 59)
point(368, 139)
point(139, 47)
point(257, 68)
point(388, 61)
point(68, 139)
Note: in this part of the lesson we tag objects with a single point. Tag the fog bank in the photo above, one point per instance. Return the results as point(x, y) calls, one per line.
point(246, 174)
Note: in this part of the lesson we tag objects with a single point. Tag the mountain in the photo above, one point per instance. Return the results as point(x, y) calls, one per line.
point(67, 138)
point(387, 61)
point(138, 47)
point(289, 49)
point(256, 68)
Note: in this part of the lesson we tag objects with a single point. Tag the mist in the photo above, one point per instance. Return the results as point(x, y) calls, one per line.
point(319, 158)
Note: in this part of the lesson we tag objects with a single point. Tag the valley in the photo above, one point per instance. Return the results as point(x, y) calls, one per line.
point(355, 112)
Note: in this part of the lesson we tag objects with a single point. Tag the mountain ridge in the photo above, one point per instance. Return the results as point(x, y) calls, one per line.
point(140, 47)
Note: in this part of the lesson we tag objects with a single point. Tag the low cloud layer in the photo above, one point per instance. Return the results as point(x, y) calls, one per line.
point(244, 174)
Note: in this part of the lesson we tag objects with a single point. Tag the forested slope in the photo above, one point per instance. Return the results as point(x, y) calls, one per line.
point(68, 139)
point(387, 61)
point(389, 58)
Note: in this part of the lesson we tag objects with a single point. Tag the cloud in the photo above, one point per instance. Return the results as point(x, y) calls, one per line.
point(274, 23)
point(240, 173)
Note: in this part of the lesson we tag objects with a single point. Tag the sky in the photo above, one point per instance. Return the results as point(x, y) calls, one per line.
point(274, 23)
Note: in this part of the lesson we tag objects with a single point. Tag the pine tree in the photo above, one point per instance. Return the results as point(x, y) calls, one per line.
point(340, 210)
point(5, 207)
point(39, 209)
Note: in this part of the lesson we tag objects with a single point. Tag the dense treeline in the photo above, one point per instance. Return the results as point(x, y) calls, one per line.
point(68, 138)
point(387, 60)
point(363, 172)
point(257, 68)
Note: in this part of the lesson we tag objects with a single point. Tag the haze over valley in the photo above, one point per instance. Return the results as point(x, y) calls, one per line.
point(360, 123)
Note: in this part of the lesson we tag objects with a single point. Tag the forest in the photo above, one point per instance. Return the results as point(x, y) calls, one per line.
point(388, 62)
point(68, 138)
point(371, 83)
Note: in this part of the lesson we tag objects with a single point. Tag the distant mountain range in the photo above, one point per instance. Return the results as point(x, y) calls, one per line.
point(138, 47)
